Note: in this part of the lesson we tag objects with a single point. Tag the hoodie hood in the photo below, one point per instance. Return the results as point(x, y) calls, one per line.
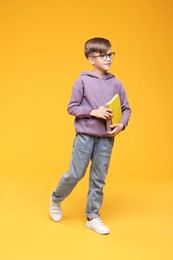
point(93, 75)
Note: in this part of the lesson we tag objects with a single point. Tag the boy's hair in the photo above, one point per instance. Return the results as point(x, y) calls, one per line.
point(99, 45)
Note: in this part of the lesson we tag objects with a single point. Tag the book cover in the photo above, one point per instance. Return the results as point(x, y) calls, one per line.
point(115, 105)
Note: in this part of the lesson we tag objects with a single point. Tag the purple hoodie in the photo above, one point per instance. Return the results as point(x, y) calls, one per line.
point(90, 92)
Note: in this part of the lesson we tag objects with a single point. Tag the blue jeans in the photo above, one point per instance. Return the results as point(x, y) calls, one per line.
point(86, 148)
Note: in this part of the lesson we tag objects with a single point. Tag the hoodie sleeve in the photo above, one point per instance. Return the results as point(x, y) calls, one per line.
point(76, 106)
point(126, 110)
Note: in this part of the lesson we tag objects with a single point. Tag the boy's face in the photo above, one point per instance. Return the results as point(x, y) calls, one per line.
point(102, 63)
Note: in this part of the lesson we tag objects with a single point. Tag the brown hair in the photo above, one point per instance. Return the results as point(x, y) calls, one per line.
point(99, 45)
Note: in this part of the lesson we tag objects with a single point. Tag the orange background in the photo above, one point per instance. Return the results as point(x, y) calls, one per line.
point(41, 56)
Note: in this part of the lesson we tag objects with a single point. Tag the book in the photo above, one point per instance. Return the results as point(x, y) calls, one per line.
point(115, 105)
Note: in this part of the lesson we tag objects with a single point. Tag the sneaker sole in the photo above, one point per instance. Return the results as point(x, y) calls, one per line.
point(101, 233)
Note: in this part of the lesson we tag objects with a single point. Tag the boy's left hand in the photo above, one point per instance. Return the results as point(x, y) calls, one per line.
point(116, 129)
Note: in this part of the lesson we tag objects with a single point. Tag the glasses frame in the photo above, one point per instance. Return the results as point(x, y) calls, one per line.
point(111, 55)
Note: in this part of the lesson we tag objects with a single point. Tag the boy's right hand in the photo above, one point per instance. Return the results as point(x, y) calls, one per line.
point(102, 112)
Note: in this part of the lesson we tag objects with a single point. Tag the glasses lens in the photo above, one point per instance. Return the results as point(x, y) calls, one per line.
point(104, 57)
point(108, 55)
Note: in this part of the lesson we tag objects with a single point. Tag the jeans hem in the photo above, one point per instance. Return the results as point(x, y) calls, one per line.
point(92, 215)
point(54, 197)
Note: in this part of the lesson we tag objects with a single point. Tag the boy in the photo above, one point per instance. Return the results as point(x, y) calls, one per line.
point(91, 91)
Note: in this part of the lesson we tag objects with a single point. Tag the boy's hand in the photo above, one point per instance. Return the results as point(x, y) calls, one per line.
point(117, 128)
point(102, 112)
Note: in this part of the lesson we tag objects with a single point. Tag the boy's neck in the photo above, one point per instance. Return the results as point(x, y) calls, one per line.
point(99, 73)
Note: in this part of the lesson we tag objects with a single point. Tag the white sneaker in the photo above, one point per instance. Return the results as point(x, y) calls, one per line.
point(55, 210)
point(97, 225)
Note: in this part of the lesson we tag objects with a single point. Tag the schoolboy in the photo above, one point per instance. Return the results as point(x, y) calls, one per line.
point(91, 91)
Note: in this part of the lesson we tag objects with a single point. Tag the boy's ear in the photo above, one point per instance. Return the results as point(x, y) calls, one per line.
point(91, 60)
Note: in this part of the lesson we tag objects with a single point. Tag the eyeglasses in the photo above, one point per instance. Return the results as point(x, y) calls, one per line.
point(110, 55)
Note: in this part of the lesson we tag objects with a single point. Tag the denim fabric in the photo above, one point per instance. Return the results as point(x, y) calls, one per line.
point(86, 148)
